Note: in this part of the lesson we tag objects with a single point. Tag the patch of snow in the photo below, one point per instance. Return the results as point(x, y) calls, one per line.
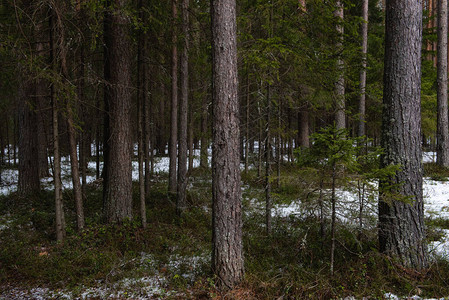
point(429, 157)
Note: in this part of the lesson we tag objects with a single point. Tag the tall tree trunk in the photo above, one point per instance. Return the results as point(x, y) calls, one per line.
point(147, 125)
point(172, 177)
point(40, 101)
point(401, 225)
point(227, 246)
point(191, 139)
point(140, 112)
point(204, 141)
point(183, 112)
point(28, 164)
point(248, 99)
point(260, 152)
point(442, 114)
point(84, 142)
point(340, 114)
point(71, 129)
point(59, 211)
point(268, 165)
point(303, 126)
point(118, 180)
point(362, 99)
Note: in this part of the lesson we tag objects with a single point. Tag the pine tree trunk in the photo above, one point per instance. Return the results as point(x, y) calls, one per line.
point(190, 138)
point(118, 180)
point(183, 112)
point(204, 142)
point(442, 113)
point(59, 212)
point(28, 164)
point(248, 100)
point(140, 111)
point(303, 127)
point(74, 164)
point(401, 225)
point(340, 115)
point(172, 179)
point(147, 125)
point(268, 203)
point(227, 253)
point(40, 93)
point(362, 98)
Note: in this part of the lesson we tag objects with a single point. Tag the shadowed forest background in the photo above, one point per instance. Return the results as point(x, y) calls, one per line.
point(217, 149)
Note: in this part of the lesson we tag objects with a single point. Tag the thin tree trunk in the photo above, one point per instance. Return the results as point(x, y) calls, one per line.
point(333, 218)
point(303, 127)
point(248, 99)
point(442, 67)
point(40, 99)
point(204, 143)
point(147, 128)
point(8, 141)
point(362, 98)
point(268, 165)
point(183, 113)
point(190, 140)
point(172, 179)
point(227, 245)
point(279, 145)
point(74, 164)
point(140, 112)
point(16, 134)
point(260, 152)
point(75, 170)
point(340, 118)
point(59, 212)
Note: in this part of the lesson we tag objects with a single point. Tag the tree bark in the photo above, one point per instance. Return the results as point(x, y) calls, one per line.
point(204, 140)
point(140, 112)
point(183, 112)
point(268, 165)
point(118, 180)
point(74, 164)
point(172, 177)
point(59, 211)
point(28, 164)
point(362, 98)
point(442, 113)
point(401, 224)
point(227, 253)
point(340, 114)
point(303, 126)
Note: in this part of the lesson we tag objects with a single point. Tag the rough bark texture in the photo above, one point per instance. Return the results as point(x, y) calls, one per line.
point(59, 212)
point(75, 172)
point(401, 224)
point(227, 251)
point(340, 118)
point(362, 98)
point(183, 113)
point(268, 203)
point(303, 127)
point(141, 97)
point(28, 164)
point(442, 114)
point(172, 179)
point(118, 194)
point(204, 141)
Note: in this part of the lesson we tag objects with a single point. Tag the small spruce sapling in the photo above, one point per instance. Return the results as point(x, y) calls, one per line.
point(340, 162)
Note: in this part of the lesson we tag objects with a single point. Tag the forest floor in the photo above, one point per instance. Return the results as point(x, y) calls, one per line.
point(171, 258)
